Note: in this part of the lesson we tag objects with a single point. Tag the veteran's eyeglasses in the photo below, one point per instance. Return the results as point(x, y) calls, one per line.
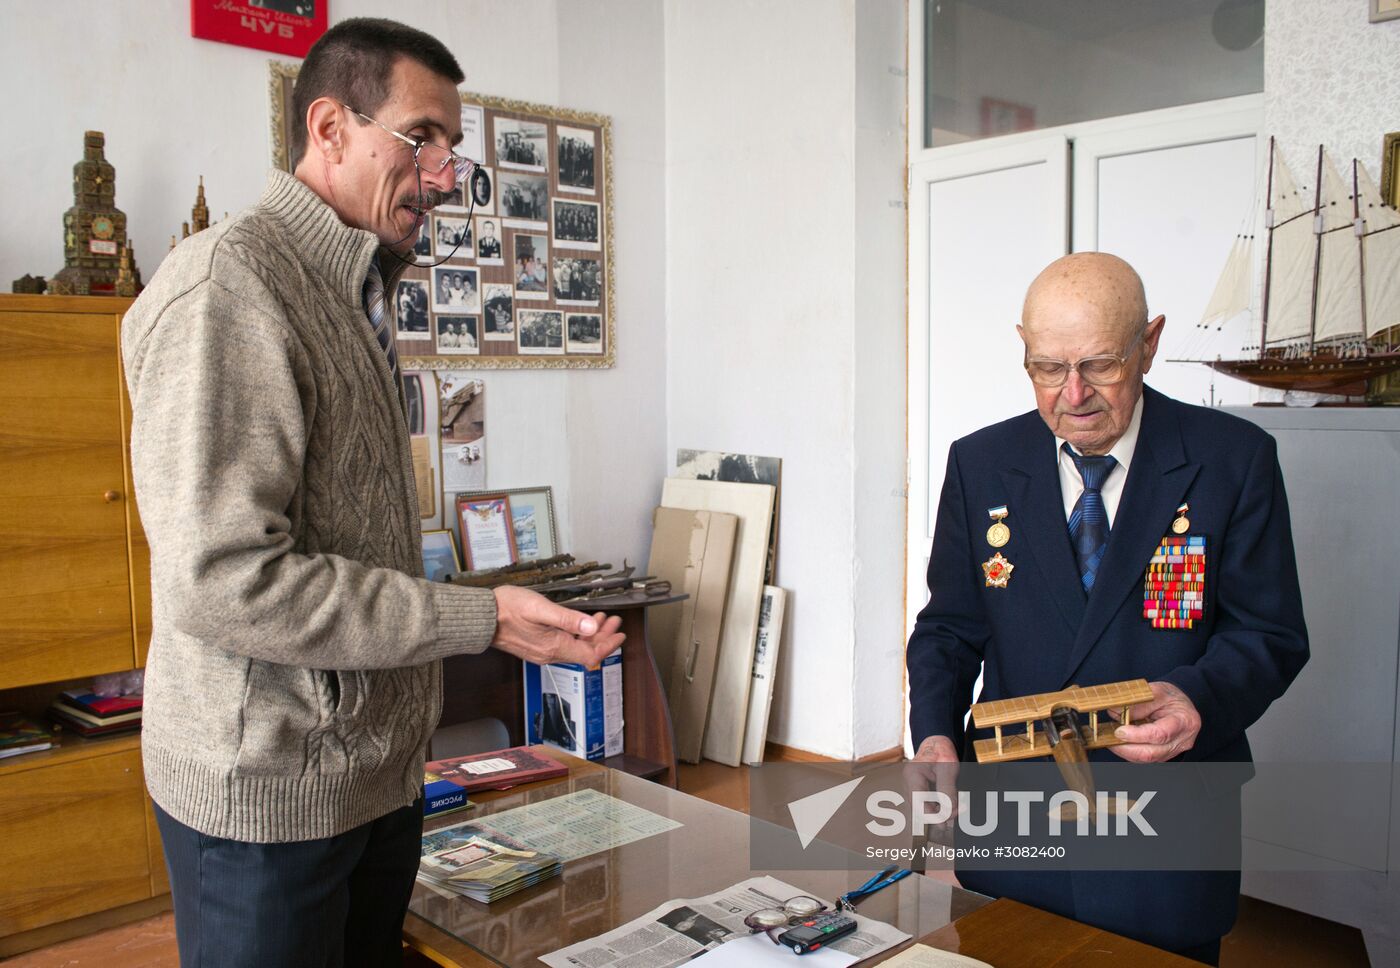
point(1102, 370)
point(784, 914)
point(427, 155)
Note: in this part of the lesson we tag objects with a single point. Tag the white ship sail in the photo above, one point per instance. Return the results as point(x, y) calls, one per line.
point(1293, 252)
point(1339, 267)
point(1380, 247)
point(1231, 295)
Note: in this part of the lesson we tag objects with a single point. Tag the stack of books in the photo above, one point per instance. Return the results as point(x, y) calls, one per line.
point(89, 714)
point(20, 734)
point(487, 870)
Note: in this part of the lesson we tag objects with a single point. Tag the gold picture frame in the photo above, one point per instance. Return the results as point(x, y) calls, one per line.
point(1390, 169)
point(596, 322)
point(1384, 10)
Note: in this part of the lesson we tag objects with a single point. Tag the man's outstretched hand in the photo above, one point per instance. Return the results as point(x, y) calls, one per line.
point(530, 626)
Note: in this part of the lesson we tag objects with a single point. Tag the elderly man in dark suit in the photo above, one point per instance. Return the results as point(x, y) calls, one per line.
point(1085, 490)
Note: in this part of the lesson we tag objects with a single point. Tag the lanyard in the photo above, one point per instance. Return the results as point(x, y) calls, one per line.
point(886, 877)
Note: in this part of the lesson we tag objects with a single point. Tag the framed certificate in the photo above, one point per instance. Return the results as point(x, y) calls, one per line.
point(488, 535)
point(532, 515)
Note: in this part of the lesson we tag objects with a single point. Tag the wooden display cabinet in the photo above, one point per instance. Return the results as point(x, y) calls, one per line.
point(81, 848)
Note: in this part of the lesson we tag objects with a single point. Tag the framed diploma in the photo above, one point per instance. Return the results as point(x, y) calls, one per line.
point(488, 532)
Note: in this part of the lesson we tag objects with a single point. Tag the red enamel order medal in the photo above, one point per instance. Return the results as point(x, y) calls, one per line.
point(998, 571)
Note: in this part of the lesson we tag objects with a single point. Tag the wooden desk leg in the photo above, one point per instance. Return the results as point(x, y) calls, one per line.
point(647, 715)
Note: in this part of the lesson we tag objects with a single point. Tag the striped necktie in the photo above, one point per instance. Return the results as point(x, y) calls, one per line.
point(379, 318)
point(1088, 522)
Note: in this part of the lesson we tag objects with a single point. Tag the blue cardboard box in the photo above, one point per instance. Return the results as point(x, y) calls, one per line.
point(575, 709)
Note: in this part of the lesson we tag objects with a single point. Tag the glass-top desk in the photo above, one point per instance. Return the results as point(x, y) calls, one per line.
point(598, 893)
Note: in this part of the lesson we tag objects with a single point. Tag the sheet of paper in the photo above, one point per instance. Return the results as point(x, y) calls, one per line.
point(756, 949)
point(570, 827)
point(922, 956)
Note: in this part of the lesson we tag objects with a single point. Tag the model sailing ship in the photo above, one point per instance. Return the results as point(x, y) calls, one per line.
point(1331, 294)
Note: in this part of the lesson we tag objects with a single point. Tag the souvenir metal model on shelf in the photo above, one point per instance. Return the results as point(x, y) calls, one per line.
point(94, 231)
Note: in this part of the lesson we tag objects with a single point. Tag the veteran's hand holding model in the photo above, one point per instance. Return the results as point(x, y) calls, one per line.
point(294, 676)
point(1114, 534)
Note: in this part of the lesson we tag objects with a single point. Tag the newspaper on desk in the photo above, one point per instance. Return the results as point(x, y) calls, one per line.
point(680, 930)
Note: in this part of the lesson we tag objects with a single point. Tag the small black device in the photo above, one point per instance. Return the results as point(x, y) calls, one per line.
point(817, 932)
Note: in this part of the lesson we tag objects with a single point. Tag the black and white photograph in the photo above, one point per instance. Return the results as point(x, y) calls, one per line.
point(577, 282)
point(576, 225)
point(458, 334)
point(411, 309)
point(498, 311)
point(575, 147)
point(423, 245)
point(531, 266)
point(453, 202)
point(456, 289)
point(695, 926)
point(524, 200)
point(487, 207)
point(488, 242)
point(716, 465)
point(452, 237)
point(521, 144)
point(541, 331)
point(585, 332)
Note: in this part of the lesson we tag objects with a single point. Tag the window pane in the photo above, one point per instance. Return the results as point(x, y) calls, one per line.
point(998, 66)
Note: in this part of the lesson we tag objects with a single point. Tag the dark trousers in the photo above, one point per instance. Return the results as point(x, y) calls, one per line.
point(325, 903)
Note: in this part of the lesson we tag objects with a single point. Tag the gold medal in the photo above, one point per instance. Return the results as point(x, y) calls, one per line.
point(997, 571)
point(1182, 524)
point(998, 534)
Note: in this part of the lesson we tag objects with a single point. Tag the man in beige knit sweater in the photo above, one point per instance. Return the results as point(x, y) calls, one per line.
point(294, 674)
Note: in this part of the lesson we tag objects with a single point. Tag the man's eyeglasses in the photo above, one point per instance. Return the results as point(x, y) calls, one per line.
point(1101, 371)
point(427, 155)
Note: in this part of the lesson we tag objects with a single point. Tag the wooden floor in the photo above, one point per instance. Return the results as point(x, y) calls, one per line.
point(1266, 936)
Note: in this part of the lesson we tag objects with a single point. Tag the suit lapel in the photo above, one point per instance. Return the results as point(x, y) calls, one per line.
point(1157, 480)
point(1033, 490)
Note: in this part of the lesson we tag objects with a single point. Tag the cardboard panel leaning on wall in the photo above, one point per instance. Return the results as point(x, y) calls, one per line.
point(729, 704)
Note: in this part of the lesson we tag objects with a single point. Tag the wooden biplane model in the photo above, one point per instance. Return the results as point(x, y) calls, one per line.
point(1053, 728)
point(1038, 712)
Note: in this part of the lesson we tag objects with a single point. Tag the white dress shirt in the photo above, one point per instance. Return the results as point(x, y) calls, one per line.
point(1072, 485)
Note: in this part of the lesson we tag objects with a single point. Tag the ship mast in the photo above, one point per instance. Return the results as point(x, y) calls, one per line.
point(1317, 257)
point(1360, 228)
point(1268, 252)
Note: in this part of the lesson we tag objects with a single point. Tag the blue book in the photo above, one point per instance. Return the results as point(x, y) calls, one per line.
point(441, 796)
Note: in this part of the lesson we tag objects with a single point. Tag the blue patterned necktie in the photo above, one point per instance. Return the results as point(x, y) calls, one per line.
point(1088, 522)
point(379, 317)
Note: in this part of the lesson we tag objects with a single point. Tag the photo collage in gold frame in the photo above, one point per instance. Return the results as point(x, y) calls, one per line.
point(524, 280)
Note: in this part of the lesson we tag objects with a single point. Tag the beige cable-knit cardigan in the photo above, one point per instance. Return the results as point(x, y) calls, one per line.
point(294, 677)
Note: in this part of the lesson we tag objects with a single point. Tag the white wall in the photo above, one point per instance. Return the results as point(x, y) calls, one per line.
point(174, 108)
point(1330, 78)
point(784, 307)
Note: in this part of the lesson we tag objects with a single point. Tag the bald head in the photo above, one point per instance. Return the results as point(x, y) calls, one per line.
point(1088, 305)
point(1092, 289)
